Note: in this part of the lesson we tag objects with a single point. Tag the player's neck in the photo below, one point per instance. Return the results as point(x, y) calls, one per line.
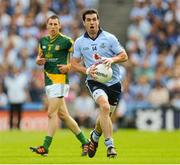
point(53, 36)
point(93, 35)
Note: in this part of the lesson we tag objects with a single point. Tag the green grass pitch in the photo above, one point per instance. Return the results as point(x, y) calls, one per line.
point(133, 146)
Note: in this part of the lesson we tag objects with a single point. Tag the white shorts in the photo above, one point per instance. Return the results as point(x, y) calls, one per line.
point(57, 90)
point(99, 92)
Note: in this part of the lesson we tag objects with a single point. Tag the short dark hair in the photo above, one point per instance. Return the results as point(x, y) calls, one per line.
point(53, 17)
point(89, 11)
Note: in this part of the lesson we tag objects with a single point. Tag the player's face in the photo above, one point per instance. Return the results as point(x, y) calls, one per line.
point(91, 23)
point(53, 27)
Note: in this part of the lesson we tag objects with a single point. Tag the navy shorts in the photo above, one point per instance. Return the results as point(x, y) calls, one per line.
point(113, 92)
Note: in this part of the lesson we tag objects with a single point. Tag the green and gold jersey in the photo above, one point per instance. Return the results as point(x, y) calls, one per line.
point(56, 51)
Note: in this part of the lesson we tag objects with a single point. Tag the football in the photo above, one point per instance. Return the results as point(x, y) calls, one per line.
point(103, 73)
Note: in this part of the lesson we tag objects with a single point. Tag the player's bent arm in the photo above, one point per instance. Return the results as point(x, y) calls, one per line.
point(121, 57)
point(76, 66)
point(40, 60)
point(64, 68)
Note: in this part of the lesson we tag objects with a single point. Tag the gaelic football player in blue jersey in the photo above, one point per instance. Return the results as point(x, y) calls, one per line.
point(95, 45)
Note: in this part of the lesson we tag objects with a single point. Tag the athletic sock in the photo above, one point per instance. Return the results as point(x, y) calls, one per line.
point(47, 142)
point(95, 136)
point(81, 137)
point(109, 142)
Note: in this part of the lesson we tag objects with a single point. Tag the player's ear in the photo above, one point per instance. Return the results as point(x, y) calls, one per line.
point(59, 27)
point(84, 23)
point(99, 22)
point(47, 25)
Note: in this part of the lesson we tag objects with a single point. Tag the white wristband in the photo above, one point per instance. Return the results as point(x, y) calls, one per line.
point(87, 71)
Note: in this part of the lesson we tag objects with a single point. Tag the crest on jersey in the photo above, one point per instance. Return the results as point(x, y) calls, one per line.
point(96, 57)
point(57, 47)
point(102, 45)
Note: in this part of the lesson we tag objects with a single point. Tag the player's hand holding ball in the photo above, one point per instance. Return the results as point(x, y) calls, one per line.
point(107, 61)
point(100, 72)
point(91, 71)
point(103, 73)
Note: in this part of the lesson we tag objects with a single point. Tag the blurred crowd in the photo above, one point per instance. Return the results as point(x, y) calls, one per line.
point(153, 46)
point(151, 76)
point(22, 23)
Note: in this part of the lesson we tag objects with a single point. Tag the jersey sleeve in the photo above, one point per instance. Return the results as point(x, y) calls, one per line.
point(116, 46)
point(40, 47)
point(77, 51)
point(70, 45)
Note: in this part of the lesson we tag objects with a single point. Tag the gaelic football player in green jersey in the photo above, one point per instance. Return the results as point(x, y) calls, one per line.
point(54, 54)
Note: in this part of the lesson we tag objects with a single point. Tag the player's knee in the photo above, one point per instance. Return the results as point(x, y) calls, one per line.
point(63, 116)
point(105, 108)
point(52, 115)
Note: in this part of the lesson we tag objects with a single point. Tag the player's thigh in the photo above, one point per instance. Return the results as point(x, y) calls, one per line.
point(102, 100)
point(62, 110)
point(53, 104)
point(97, 90)
point(55, 94)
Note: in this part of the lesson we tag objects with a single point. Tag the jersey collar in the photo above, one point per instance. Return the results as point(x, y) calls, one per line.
point(55, 37)
point(87, 36)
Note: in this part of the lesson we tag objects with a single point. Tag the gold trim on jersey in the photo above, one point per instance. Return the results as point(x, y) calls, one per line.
point(71, 48)
point(54, 38)
point(57, 78)
point(71, 40)
point(39, 49)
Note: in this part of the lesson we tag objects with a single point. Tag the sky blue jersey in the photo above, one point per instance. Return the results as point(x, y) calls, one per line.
point(106, 45)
